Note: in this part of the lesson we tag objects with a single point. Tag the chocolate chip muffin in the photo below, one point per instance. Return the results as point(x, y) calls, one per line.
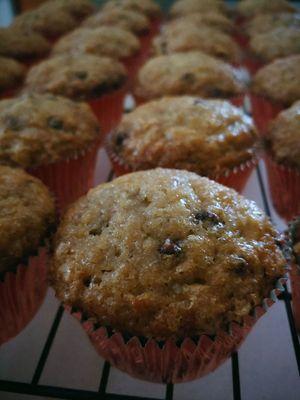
point(132, 21)
point(27, 216)
point(104, 41)
point(43, 129)
point(266, 22)
point(148, 7)
point(250, 8)
point(193, 73)
point(22, 45)
point(211, 19)
point(183, 36)
point(165, 253)
point(283, 140)
point(185, 132)
point(185, 7)
point(11, 73)
point(280, 42)
point(279, 81)
point(79, 9)
point(81, 77)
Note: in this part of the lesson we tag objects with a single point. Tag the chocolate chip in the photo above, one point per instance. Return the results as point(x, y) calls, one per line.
point(13, 122)
point(87, 281)
point(241, 268)
point(170, 248)
point(214, 92)
point(95, 231)
point(81, 75)
point(55, 123)
point(207, 216)
point(188, 78)
point(120, 138)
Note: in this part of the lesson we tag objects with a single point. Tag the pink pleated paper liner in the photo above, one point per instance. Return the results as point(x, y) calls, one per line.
point(252, 64)
point(284, 184)
point(70, 179)
point(21, 294)
point(169, 361)
point(263, 112)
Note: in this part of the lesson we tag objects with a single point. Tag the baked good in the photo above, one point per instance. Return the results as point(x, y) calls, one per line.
point(22, 44)
point(283, 140)
point(262, 23)
point(165, 253)
point(84, 76)
point(185, 132)
point(279, 42)
point(27, 216)
point(11, 73)
point(43, 129)
point(132, 21)
point(279, 81)
point(213, 19)
point(104, 41)
point(79, 9)
point(185, 7)
point(183, 36)
point(147, 7)
point(250, 8)
point(193, 73)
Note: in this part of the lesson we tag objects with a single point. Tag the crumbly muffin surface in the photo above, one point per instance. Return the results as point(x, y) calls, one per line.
point(132, 21)
point(279, 42)
point(165, 253)
point(20, 44)
point(203, 136)
point(284, 137)
point(213, 19)
point(185, 7)
point(249, 8)
point(184, 36)
point(77, 8)
point(147, 7)
point(279, 80)
point(27, 216)
point(42, 129)
point(262, 23)
point(193, 73)
point(108, 41)
point(11, 73)
point(83, 76)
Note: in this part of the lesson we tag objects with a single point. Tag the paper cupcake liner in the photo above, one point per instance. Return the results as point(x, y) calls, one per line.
point(252, 64)
point(109, 109)
point(263, 112)
point(21, 294)
point(284, 184)
point(6, 94)
point(133, 64)
point(170, 361)
point(155, 26)
point(241, 39)
point(70, 179)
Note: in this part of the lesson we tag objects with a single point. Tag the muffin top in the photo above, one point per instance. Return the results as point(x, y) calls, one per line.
point(185, 7)
point(20, 44)
point(78, 77)
point(266, 22)
point(132, 21)
point(185, 132)
point(27, 216)
point(42, 129)
point(188, 73)
point(147, 7)
point(279, 80)
point(182, 36)
point(250, 8)
point(165, 253)
point(213, 19)
point(46, 21)
point(280, 42)
point(284, 137)
point(77, 8)
point(11, 73)
point(108, 41)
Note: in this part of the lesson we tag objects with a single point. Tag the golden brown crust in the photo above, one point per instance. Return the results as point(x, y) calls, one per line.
point(284, 137)
point(43, 129)
point(250, 8)
point(80, 77)
point(185, 132)
point(108, 41)
point(213, 19)
point(280, 42)
point(279, 80)
point(165, 253)
point(185, 7)
point(11, 73)
point(192, 73)
point(27, 216)
point(262, 23)
point(184, 36)
point(147, 7)
point(132, 21)
point(77, 8)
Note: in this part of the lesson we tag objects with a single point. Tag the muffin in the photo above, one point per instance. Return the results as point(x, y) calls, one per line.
point(79, 9)
point(275, 87)
point(163, 255)
point(98, 80)
point(53, 138)
point(185, 7)
point(192, 73)
point(108, 41)
point(295, 271)
point(183, 36)
point(251, 8)
point(11, 75)
point(25, 46)
point(209, 137)
point(263, 23)
point(27, 218)
point(283, 161)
